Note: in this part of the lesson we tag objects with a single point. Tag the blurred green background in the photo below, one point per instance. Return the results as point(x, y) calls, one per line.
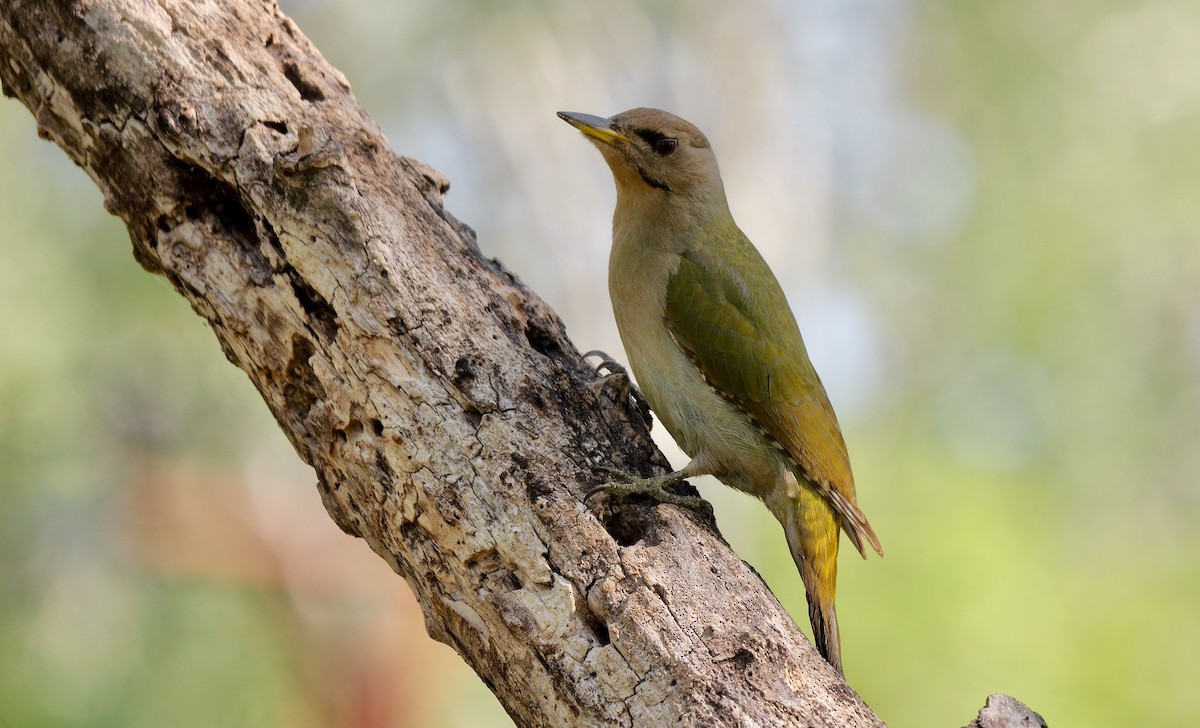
point(987, 218)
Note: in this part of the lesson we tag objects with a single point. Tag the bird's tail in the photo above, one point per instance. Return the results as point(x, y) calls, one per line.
point(823, 618)
point(813, 529)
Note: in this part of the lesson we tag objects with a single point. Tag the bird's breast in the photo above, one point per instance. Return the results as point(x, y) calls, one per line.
point(701, 421)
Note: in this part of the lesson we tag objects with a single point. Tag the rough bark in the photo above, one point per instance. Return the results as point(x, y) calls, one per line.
point(451, 423)
point(1005, 711)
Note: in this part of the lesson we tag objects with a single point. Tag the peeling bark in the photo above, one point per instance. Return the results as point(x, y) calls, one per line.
point(452, 424)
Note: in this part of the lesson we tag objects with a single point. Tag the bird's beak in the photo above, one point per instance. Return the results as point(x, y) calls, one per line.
point(596, 127)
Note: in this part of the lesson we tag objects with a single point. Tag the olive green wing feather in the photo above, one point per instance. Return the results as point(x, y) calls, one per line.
point(748, 347)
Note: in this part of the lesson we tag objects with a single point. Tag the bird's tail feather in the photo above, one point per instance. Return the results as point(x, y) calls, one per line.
point(813, 526)
point(823, 618)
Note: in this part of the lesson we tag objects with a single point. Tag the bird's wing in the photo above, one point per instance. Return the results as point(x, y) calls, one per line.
point(748, 347)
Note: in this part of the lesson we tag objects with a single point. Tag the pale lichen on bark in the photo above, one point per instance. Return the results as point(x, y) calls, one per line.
point(450, 421)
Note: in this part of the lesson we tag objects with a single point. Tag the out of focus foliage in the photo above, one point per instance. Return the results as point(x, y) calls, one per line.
point(987, 219)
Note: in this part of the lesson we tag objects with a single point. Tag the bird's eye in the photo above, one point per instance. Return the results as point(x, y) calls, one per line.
point(665, 147)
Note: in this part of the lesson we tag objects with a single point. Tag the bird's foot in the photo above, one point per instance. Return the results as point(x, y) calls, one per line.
point(624, 484)
point(617, 377)
point(606, 362)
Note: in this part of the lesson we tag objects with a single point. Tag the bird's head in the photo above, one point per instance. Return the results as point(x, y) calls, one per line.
point(653, 152)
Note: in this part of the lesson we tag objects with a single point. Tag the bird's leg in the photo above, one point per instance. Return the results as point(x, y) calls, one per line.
point(618, 377)
point(624, 484)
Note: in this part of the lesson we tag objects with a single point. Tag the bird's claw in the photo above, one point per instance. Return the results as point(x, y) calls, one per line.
point(624, 484)
point(606, 362)
point(618, 376)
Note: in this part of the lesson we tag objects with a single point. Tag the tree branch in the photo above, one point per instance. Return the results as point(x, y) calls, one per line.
point(451, 423)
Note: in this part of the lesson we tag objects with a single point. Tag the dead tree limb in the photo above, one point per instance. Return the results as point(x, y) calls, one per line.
point(452, 424)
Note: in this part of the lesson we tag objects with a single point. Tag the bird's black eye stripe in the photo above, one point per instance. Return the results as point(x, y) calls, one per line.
point(662, 144)
point(650, 136)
